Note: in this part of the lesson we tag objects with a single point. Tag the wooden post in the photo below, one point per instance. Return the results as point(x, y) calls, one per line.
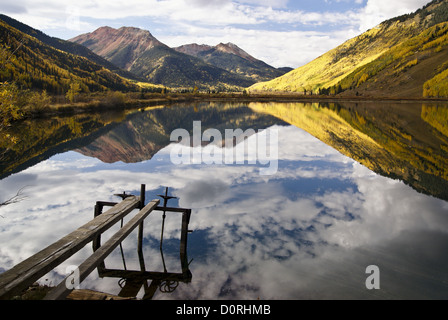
point(96, 243)
point(61, 291)
point(183, 239)
point(142, 196)
point(140, 228)
point(136, 279)
point(20, 277)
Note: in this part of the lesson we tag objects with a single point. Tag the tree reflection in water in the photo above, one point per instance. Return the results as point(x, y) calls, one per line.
point(356, 186)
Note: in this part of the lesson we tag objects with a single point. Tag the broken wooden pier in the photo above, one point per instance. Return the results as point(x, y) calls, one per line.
point(24, 274)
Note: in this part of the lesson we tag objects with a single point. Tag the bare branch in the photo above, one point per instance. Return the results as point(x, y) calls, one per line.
point(20, 196)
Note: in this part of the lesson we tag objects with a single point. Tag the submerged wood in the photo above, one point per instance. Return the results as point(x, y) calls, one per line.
point(20, 277)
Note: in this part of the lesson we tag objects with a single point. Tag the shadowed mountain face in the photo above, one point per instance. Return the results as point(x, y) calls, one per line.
point(233, 59)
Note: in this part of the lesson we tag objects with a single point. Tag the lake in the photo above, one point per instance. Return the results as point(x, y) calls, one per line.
point(289, 200)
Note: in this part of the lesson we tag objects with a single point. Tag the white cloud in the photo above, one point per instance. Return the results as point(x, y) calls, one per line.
point(377, 11)
point(278, 48)
point(380, 199)
point(267, 3)
point(210, 3)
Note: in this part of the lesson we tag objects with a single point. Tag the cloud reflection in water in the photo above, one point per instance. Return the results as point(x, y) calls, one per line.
point(308, 232)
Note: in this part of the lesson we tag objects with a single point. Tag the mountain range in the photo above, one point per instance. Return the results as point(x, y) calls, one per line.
point(139, 52)
point(230, 57)
point(119, 59)
point(404, 56)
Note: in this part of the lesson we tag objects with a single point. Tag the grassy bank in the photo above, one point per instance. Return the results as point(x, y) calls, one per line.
point(18, 105)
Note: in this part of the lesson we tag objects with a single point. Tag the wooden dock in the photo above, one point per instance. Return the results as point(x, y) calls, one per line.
point(24, 274)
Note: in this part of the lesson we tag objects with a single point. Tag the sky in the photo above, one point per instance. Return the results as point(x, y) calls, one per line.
point(279, 32)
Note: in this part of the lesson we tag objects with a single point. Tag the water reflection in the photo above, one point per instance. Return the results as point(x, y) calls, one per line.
point(307, 232)
point(131, 282)
point(32, 141)
point(406, 141)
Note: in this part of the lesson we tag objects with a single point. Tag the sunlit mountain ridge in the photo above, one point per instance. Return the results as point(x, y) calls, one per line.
point(404, 56)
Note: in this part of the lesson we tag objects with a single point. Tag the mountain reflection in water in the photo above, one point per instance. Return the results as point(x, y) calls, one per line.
point(309, 231)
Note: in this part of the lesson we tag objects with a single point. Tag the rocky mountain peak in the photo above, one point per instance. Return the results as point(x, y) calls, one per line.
point(193, 49)
point(234, 49)
point(120, 46)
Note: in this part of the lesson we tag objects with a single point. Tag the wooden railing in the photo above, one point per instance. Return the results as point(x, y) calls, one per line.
point(24, 274)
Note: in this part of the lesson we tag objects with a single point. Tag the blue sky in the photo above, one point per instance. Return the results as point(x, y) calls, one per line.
point(279, 32)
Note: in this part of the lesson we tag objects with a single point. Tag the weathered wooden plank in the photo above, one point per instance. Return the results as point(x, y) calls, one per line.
point(170, 209)
point(13, 281)
point(61, 291)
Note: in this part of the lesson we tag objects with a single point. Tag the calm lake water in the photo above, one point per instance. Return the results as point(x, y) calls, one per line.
point(353, 185)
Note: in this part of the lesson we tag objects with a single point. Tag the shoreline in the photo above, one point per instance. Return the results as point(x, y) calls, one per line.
point(167, 99)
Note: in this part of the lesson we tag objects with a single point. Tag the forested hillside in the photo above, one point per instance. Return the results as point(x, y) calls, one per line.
point(31, 64)
point(66, 46)
point(416, 67)
point(404, 57)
